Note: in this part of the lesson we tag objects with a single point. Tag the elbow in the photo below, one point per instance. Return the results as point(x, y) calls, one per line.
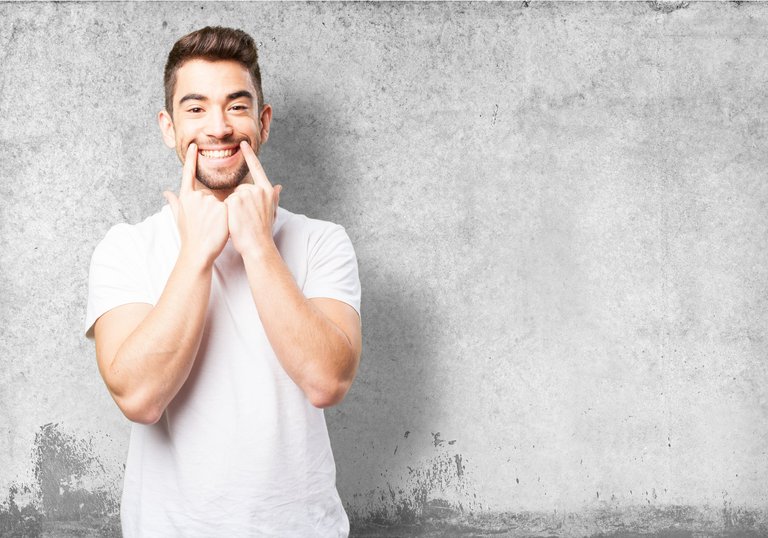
point(331, 386)
point(138, 410)
point(329, 394)
point(147, 417)
point(137, 403)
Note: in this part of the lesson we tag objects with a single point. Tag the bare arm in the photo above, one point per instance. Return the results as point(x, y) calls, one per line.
point(145, 353)
point(318, 341)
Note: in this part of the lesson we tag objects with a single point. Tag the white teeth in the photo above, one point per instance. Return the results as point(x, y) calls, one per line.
point(217, 154)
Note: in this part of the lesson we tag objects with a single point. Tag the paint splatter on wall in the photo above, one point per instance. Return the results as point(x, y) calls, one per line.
point(68, 495)
point(436, 487)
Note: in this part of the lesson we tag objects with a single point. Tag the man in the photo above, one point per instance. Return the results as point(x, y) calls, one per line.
point(224, 323)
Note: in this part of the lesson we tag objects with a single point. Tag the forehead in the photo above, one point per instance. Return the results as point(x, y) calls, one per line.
point(212, 79)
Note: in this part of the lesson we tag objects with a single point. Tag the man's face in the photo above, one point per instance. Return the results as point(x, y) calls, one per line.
point(215, 106)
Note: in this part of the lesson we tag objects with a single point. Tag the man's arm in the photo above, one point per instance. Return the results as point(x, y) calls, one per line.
point(318, 341)
point(145, 353)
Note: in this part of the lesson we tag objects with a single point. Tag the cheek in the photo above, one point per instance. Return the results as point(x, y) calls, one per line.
point(250, 129)
point(184, 140)
point(186, 137)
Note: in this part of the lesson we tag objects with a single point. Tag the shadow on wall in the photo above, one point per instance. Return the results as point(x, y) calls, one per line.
point(301, 156)
point(380, 431)
point(59, 502)
point(383, 421)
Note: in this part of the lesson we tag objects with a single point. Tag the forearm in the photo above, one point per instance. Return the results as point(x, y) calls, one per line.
point(154, 361)
point(314, 352)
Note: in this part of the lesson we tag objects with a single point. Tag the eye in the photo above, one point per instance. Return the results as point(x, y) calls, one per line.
point(195, 110)
point(239, 107)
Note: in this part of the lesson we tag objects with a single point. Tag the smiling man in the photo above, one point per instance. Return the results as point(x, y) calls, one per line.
point(225, 323)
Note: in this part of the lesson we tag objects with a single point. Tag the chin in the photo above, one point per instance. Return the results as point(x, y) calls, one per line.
point(221, 180)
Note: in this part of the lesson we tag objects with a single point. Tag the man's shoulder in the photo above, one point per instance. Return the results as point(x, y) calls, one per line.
point(146, 230)
point(307, 237)
point(296, 223)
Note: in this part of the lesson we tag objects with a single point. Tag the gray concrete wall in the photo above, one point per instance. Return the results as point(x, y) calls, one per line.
point(560, 215)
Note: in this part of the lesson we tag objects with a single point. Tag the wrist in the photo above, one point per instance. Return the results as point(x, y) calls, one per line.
point(195, 260)
point(259, 252)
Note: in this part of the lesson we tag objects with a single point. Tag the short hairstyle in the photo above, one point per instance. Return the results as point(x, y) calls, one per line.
point(212, 43)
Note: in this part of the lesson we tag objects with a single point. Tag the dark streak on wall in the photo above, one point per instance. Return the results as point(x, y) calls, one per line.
point(61, 504)
point(666, 6)
point(667, 522)
point(419, 510)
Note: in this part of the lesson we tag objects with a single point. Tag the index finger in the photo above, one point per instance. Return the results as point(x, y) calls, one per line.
point(257, 172)
point(190, 168)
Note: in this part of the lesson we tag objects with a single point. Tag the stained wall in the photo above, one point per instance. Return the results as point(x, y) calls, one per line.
point(559, 212)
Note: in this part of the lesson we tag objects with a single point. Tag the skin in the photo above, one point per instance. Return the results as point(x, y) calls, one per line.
point(145, 353)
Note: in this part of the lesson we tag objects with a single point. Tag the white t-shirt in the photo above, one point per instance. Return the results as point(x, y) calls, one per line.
point(240, 451)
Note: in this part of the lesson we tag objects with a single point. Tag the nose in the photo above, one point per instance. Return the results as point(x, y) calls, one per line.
point(218, 125)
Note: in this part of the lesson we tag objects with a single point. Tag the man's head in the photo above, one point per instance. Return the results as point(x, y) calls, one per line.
point(213, 98)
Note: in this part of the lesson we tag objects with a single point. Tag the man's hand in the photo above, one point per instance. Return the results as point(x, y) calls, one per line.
point(145, 352)
point(201, 218)
point(252, 208)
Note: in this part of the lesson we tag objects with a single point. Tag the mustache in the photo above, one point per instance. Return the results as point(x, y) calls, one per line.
point(221, 141)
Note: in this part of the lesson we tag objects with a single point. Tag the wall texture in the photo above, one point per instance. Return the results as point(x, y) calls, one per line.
point(560, 215)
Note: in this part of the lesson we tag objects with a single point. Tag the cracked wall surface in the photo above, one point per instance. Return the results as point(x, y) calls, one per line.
point(560, 213)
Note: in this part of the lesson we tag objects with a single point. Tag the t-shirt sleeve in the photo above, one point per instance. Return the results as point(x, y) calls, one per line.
point(116, 275)
point(332, 268)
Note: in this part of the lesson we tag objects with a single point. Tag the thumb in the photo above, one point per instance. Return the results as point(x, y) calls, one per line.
point(173, 201)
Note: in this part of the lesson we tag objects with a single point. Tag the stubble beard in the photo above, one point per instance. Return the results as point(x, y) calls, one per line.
point(222, 180)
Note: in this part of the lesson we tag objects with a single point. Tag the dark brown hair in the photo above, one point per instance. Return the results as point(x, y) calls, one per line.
point(212, 43)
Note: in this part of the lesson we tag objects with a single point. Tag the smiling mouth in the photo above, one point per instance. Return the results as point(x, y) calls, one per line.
point(218, 153)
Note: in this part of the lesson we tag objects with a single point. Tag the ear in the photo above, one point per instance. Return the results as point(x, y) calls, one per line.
point(165, 122)
point(265, 118)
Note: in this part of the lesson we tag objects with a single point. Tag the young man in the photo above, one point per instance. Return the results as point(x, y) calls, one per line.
point(224, 323)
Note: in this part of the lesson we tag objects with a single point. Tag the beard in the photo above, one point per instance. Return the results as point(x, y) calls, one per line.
point(214, 180)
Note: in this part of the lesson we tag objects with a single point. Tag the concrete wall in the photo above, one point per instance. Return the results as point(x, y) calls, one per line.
point(560, 215)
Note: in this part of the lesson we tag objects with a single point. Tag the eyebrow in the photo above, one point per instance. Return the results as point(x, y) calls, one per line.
point(230, 97)
point(238, 95)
